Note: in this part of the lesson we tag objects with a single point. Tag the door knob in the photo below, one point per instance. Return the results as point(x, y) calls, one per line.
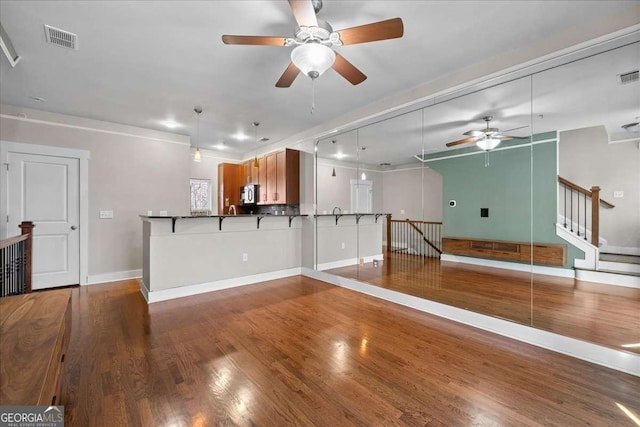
point(73, 227)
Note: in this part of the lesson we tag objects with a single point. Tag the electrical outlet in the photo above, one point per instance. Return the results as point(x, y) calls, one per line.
point(163, 213)
point(245, 257)
point(149, 213)
point(106, 214)
point(343, 245)
point(618, 194)
point(401, 211)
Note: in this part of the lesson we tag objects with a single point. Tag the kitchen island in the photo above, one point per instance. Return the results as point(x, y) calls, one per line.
point(187, 255)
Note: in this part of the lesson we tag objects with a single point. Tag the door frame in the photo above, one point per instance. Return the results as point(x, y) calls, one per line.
point(83, 157)
point(353, 191)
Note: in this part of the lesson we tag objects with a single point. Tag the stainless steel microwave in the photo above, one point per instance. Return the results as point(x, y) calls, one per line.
point(249, 194)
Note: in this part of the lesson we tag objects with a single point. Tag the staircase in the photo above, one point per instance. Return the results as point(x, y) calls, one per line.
point(579, 225)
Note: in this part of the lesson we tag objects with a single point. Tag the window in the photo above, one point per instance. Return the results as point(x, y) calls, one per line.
point(200, 195)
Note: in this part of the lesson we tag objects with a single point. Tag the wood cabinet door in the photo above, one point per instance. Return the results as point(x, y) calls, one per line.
point(281, 177)
point(271, 178)
point(262, 180)
point(254, 171)
point(246, 180)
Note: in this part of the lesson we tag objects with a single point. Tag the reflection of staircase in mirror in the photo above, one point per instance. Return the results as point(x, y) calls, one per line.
point(579, 224)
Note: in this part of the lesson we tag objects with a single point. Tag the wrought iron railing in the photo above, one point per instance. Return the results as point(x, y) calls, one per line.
point(411, 237)
point(15, 262)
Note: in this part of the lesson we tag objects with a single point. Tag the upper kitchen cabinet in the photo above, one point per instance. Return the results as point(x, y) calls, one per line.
point(281, 184)
point(230, 179)
point(250, 172)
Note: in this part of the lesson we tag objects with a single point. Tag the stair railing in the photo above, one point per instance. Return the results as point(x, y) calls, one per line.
point(578, 216)
point(411, 237)
point(15, 262)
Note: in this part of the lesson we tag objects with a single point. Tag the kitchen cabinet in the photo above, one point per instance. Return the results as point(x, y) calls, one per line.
point(230, 179)
point(250, 173)
point(262, 180)
point(282, 178)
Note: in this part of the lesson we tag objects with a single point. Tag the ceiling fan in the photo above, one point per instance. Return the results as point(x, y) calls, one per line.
point(487, 138)
point(313, 40)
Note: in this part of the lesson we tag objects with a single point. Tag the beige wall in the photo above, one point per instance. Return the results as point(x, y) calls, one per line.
point(131, 171)
point(416, 191)
point(587, 159)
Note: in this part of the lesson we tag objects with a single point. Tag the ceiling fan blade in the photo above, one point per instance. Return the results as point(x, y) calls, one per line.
point(474, 133)
point(304, 13)
point(254, 40)
point(519, 127)
point(462, 141)
point(382, 30)
point(288, 76)
point(348, 70)
point(503, 136)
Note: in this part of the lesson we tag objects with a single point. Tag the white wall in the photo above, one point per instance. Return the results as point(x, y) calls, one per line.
point(586, 158)
point(131, 171)
point(417, 191)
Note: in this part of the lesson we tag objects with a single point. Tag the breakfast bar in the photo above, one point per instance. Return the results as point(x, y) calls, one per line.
point(187, 255)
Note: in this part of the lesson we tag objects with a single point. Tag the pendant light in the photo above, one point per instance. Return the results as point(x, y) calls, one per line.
point(197, 157)
point(255, 159)
point(334, 172)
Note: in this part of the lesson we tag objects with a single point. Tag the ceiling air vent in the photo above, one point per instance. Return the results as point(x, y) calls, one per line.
point(61, 38)
point(263, 139)
point(630, 77)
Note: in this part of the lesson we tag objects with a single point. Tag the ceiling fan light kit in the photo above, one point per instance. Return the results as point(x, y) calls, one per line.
point(313, 59)
point(487, 144)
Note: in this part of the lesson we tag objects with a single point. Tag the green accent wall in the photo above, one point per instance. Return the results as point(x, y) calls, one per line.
point(518, 211)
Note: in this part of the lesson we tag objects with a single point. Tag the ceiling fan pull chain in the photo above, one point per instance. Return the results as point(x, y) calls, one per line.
point(313, 95)
point(487, 161)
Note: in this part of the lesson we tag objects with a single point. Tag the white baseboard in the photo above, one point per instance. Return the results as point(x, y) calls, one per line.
point(605, 356)
point(528, 268)
point(608, 278)
point(185, 291)
point(144, 291)
point(113, 277)
point(622, 250)
point(347, 262)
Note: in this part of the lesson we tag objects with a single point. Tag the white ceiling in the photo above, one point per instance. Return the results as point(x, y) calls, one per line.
point(141, 63)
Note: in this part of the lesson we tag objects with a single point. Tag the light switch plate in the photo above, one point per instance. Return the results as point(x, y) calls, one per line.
point(401, 211)
point(106, 214)
point(618, 194)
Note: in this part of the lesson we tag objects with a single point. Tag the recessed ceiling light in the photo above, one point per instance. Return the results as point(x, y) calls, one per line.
point(240, 136)
point(340, 156)
point(171, 124)
point(37, 99)
point(220, 146)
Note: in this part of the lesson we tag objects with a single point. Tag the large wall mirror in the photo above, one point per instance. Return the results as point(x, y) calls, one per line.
point(591, 107)
point(471, 200)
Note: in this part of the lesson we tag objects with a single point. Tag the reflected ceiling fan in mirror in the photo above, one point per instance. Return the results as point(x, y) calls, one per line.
point(486, 139)
point(313, 40)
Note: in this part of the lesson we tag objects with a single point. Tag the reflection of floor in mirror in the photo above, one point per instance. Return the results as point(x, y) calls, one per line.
point(603, 314)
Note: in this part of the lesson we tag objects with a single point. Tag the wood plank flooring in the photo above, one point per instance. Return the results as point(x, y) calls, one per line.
point(603, 314)
point(301, 352)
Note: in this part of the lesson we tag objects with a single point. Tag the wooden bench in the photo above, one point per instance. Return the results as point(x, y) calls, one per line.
point(503, 250)
point(34, 333)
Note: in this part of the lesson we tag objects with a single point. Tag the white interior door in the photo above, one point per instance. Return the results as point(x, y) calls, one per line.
point(361, 196)
point(45, 189)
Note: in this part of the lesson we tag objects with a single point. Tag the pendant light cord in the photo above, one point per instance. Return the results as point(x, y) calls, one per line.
point(313, 95)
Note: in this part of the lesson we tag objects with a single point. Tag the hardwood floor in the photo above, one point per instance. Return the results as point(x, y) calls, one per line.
point(603, 314)
point(297, 351)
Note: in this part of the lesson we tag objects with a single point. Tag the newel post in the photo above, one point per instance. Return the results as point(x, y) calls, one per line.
point(388, 233)
point(595, 215)
point(27, 228)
